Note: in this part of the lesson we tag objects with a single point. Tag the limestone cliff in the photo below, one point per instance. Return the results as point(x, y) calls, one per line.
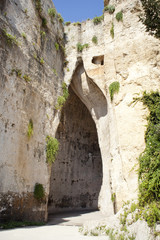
point(31, 74)
point(100, 139)
point(126, 53)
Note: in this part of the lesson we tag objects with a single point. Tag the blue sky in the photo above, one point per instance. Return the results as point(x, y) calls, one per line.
point(78, 10)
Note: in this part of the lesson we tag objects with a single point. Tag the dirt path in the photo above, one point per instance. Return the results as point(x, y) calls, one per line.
point(60, 227)
point(46, 233)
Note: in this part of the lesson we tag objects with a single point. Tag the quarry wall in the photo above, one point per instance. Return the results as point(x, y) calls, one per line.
point(100, 140)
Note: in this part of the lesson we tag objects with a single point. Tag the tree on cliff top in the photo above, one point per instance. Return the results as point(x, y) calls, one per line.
point(151, 17)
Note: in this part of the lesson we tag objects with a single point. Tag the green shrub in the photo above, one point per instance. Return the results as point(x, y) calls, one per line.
point(113, 197)
point(152, 214)
point(60, 18)
point(55, 72)
point(52, 12)
point(94, 40)
point(112, 31)
point(10, 38)
point(43, 34)
point(17, 71)
point(23, 35)
point(77, 24)
point(119, 16)
point(109, 8)
point(151, 16)
point(149, 160)
point(51, 149)
point(42, 61)
point(98, 20)
point(26, 78)
point(67, 23)
point(113, 88)
point(60, 102)
point(25, 10)
point(44, 22)
point(56, 46)
point(35, 56)
point(65, 90)
point(39, 192)
point(62, 99)
point(80, 47)
point(30, 129)
point(38, 6)
point(134, 206)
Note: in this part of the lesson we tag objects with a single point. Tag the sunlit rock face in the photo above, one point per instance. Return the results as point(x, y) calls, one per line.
point(28, 92)
point(131, 57)
point(100, 139)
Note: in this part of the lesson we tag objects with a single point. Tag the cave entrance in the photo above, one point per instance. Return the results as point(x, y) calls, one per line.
point(76, 176)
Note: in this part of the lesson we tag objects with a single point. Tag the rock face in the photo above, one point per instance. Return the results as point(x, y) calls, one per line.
point(28, 90)
point(100, 139)
point(76, 177)
point(131, 57)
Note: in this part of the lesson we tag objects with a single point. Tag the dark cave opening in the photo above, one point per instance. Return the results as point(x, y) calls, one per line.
point(76, 176)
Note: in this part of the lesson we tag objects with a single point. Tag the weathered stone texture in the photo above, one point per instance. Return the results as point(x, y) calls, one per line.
point(23, 160)
point(132, 58)
point(76, 177)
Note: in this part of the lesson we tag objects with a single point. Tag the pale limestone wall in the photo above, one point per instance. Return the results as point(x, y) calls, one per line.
point(132, 58)
point(76, 177)
point(23, 160)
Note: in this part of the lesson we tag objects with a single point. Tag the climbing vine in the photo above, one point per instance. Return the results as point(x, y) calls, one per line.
point(149, 160)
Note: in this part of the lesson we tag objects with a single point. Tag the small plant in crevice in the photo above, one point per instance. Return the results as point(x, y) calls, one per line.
point(98, 20)
point(67, 23)
point(55, 72)
point(113, 197)
point(112, 30)
point(38, 6)
point(119, 16)
point(80, 47)
point(56, 46)
point(43, 34)
point(109, 8)
point(26, 78)
point(62, 99)
point(65, 90)
point(17, 71)
point(35, 56)
point(25, 10)
point(23, 35)
point(77, 24)
point(41, 61)
point(44, 22)
point(114, 88)
point(30, 129)
point(39, 192)
point(60, 18)
point(95, 39)
point(10, 38)
point(52, 12)
point(60, 102)
point(52, 148)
